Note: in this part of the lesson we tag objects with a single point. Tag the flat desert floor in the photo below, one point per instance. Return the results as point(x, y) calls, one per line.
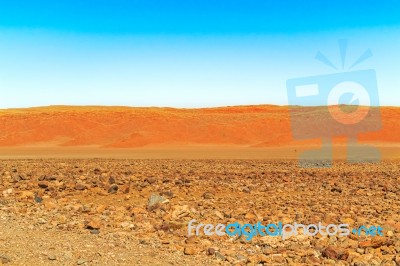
point(136, 211)
point(339, 151)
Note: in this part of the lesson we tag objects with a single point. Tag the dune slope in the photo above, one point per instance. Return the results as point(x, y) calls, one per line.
point(127, 127)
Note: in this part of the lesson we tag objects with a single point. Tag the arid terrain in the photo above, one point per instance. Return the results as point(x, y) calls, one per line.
point(133, 127)
point(131, 212)
point(119, 185)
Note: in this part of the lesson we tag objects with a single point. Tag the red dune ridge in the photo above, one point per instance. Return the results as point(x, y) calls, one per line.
point(126, 127)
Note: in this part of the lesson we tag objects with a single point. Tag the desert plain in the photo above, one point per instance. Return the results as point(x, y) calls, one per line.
point(119, 185)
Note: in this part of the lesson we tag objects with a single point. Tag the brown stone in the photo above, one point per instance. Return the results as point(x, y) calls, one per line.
point(189, 250)
point(151, 180)
point(80, 186)
point(125, 189)
point(208, 195)
point(113, 189)
point(94, 223)
point(43, 184)
point(100, 208)
point(332, 252)
point(376, 242)
point(210, 251)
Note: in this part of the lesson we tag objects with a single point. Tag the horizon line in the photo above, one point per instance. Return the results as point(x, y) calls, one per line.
point(183, 108)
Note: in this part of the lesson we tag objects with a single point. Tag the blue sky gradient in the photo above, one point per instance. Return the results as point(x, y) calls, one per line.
point(186, 53)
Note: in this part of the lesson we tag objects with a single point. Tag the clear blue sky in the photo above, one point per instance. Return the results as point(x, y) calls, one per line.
point(186, 53)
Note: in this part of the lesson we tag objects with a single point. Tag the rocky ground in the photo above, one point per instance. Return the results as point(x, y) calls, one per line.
point(136, 212)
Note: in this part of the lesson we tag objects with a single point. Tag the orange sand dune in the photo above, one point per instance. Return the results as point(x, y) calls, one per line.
point(128, 127)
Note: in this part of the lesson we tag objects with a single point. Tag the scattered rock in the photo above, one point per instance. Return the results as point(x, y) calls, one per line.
point(210, 251)
point(190, 251)
point(219, 256)
point(76, 199)
point(4, 259)
point(219, 215)
point(337, 253)
point(246, 190)
point(80, 186)
point(113, 189)
point(81, 262)
point(43, 184)
point(363, 260)
point(94, 223)
point(151, 180)
point(208, 195)
point(111, 180)
point(336, 189)
point(38, 199)
point(95, 231)
point(125, 189)
point(180, 212)
point(7, 192)
point(155, 201)
point(168, 194)
point(28, 195)
point(376, 242)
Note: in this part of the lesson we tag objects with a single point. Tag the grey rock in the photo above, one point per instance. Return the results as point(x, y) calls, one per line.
point(81, 262)
point(4, 258)
point(220, 256)
point(154, 201)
